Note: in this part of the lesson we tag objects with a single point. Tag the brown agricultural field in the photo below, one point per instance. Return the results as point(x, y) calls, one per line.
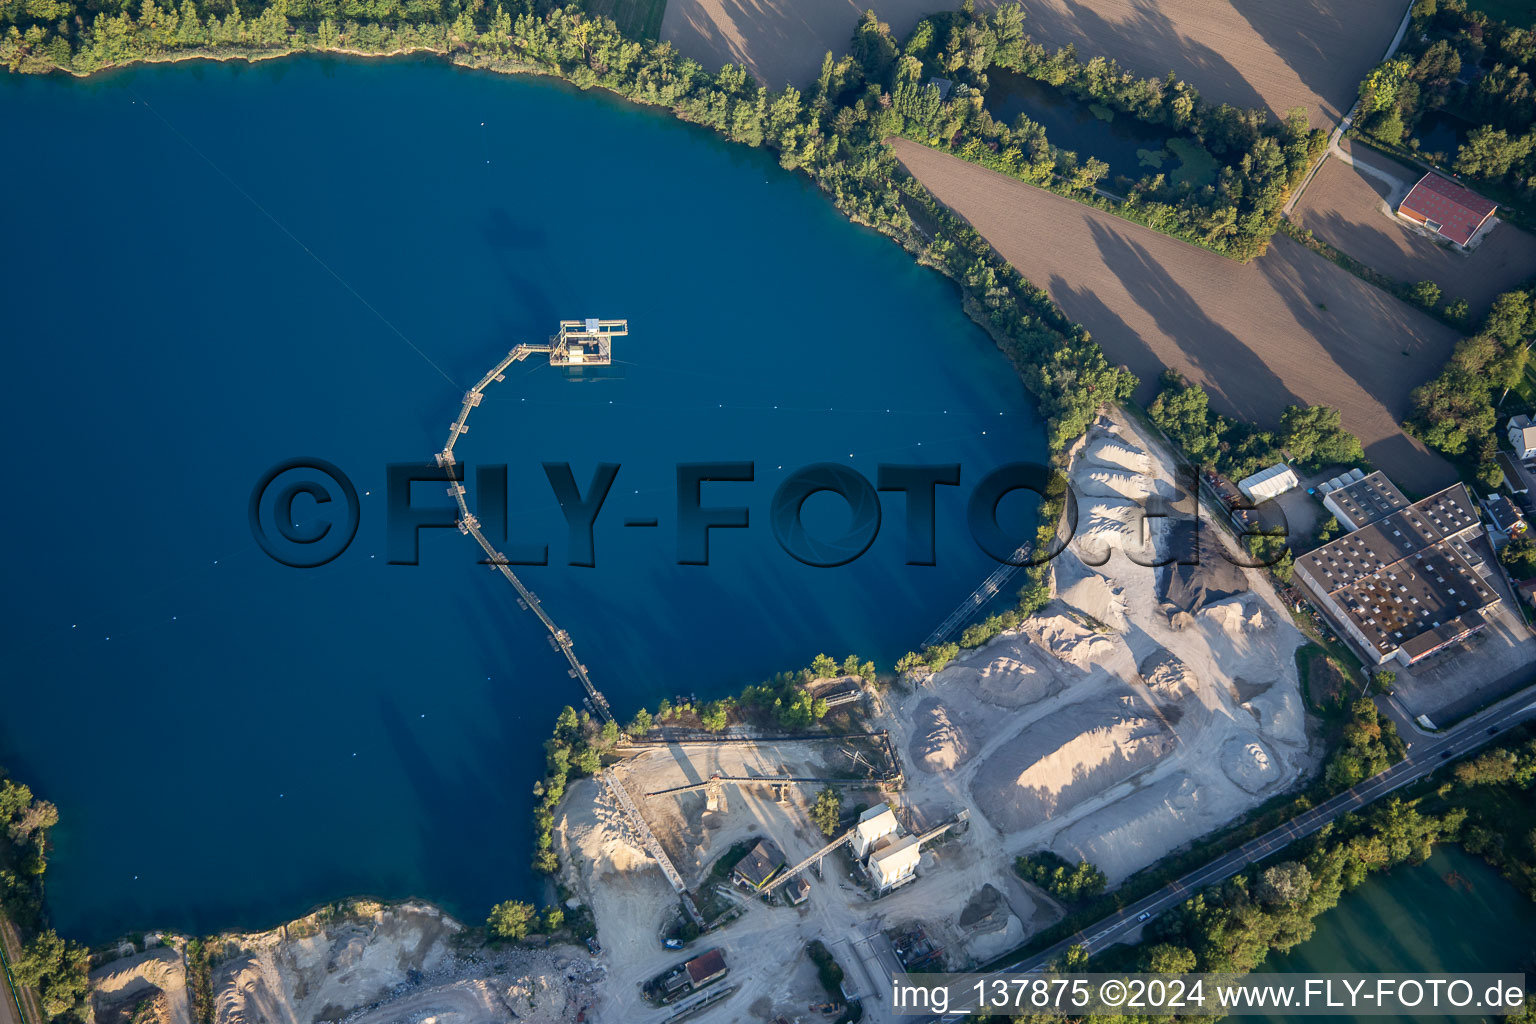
point(1290, 328)
point(1272, 53)
point(1351, 211)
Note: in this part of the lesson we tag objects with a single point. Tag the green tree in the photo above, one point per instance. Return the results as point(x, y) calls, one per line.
point(510, 921)
point(554, 917)
point(1426, 294)
point(1166, 958)
point(56, 969)
point(716, 715)
point(827, 811)
point(1313, 436)
point(1519, 556)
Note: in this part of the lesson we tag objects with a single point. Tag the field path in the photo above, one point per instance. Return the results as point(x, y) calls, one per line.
point(1289, 328)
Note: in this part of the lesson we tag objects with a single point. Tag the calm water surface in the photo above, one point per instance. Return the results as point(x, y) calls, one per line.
point(218, 267)
point(1132, 148)
point(1451, 913)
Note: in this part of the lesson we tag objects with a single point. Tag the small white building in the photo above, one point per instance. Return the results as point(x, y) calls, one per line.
point(874, 824)
point(1522, 437)
point(1268, 483)
point(894, 863)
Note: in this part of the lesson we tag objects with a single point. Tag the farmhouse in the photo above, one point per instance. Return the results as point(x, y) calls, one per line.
point(1404, 582)
point(1453, 211)
point(1522, 436)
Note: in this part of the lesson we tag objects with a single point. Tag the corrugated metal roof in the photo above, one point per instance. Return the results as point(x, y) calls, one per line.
point(1457, 209)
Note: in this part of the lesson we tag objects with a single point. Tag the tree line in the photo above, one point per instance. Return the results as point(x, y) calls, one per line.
point(1463, 62)
point(1457, 412)
point(52, 967)
point(1068, 882)
point(1259, 162)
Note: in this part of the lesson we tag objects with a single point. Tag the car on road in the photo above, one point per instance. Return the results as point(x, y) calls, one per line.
point(1143, 916)
point(1445, 755)
point(1492, 729)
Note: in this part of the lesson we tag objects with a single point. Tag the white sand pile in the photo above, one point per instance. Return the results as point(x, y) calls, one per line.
point(1247, 763)
point(1013, 677)
point(1279, 713)
point(1067, 757)
point(1113, 483)
point(1069, 640)
point(154, 974)
point(1236, 616)
point(1131, 833)
point(1118, 453)
point(1093, 595)
point(1168, 676)
point(989, 924)
point(938, 744)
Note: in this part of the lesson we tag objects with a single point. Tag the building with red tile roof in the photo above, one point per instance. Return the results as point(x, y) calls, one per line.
point(1453, 211)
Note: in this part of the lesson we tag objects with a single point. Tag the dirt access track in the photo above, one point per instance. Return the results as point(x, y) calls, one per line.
point(1250, 53)
point(1351, 210)
point(1288, 329)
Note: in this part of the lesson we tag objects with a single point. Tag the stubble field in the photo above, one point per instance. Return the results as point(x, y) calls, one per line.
point(1290, 328)
point(1351, 211)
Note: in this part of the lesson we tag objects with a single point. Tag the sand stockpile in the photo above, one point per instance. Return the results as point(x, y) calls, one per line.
point(158, 974)
point(938, 744)
point(1092, 595)
point(1069, 640)
point(1119, 454)
point(1168, 676)
point(1279, 713)
point(1248, 764)
point(1014, 677)
point(1133, 832)
point(1065, 758)
point(1235, 617)
point(1113, 483)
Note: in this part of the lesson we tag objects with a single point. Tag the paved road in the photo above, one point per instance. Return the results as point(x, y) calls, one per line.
point(1423, 758)
point(1343, 126)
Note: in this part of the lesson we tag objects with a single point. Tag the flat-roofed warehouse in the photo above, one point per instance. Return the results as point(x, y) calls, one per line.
point(1405, 583)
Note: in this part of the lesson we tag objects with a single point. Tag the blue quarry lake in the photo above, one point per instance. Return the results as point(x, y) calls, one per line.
point(1452, 913)
point(212, 268)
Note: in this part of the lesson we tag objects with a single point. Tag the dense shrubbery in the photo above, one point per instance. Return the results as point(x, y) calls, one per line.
point(1370, 745)
point(1235, 925)
point(1310, 435)
point(1459, 60)
point(54, 968)
point(25, 822)
point(1236, 215)
point(1519, 557)
point(1068, 882)
point(1456, 412)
